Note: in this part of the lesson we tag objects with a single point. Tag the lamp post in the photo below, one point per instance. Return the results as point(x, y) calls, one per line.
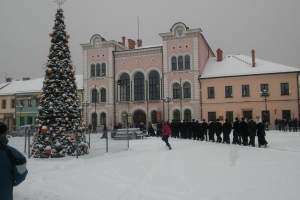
point(167, 100)
point(86, 105)
point(265, 94)
point(19, 108)
point(122, 99)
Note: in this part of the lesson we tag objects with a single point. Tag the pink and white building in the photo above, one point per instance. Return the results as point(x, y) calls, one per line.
point(128, 78)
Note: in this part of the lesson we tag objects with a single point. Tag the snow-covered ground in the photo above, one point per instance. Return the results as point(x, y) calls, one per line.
point(191, 170)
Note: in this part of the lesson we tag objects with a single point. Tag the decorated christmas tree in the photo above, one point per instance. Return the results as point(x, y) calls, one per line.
point(59, 126)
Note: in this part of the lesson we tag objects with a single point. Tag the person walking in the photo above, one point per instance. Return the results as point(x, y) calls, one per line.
point(252, 131)
point(10, 174)
point(236, 126)
point(204, 130)
point(104, 135)
point(218, 130)
point(166, 133)
point(226, 131)
point(211, 130)
point(244, 131)
point(261, 134)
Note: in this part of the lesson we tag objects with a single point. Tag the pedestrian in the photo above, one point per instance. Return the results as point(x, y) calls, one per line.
point(204, 130)
point(166, 133)
point(211, 130)
point(226, 131)
point(276, 123)
point(104, 130)
point(218, 130)
point(11, 174)
point(252, 131)
point(261, 134)
point(244, 131)
point(150, 130)
point(236, 126)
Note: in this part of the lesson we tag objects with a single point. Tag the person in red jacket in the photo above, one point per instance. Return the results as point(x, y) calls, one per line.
point(166, 133)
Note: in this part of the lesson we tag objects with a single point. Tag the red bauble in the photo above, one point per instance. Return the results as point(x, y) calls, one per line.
point(50, 34)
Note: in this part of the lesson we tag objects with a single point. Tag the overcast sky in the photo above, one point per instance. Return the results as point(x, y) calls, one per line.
point(270, 27)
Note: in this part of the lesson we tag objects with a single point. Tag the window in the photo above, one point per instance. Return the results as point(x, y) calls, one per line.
point(12, 101)
point(92, 70)
point(211, 92)
point(37, 102)
point(176, 115)
point(125, 87)
point(265, 115)
point(247, 114)
point(103, 69)
point(286, 114)
point(186, 90)
point(103, 118)
point(285, 89)
point(188, 115)
point(94, 96)
point(21, 103)
point(154, 117)
point(103, 95)
point(228, 91)
point(212, 116)
point(264, 87)
point(98, 70)
point(245, 91)
point(29, 120)
point(229, 116)
point(29, 103)
point(154, 86)
point(176, 91)
point(187, 62)
point(22, 119)
point(174, 63)
point(139, 93)
point(3, 104)
point(180, 63)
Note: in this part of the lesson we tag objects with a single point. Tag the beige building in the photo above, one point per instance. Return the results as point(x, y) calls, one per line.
point(243, 86)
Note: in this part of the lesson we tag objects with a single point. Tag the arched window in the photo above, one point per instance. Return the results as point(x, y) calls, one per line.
point(103, 95)
point(154, 117)
point(176, 91)
point(176, 115)
point(92, 70)
point(94, 120)
point(188, 115)
point(103, 69)
point(103, 118)
point(125, 87)
point(139, 93)
point(187, 61)
point(174, 63)
point(94, 96)
point(98, 70)
point(180, 63)
point(154, 86)
point(186, 90)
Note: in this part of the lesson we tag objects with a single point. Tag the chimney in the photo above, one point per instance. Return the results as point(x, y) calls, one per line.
point(8, 80)
point(26, 78)
point(219, 55)
point(253, 58)
point(139, 43)
point(123, 40)
point(131, 44)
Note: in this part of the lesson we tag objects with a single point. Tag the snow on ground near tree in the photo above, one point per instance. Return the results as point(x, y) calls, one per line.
point(192, 170)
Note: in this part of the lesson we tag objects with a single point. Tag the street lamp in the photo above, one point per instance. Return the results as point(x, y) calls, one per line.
point(122, 99)
point(265, 94)
point(20, 108)
point(167, 100)
point(86, 104)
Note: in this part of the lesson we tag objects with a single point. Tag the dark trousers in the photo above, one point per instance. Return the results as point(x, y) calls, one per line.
point(226, 137)
point(236, 138)
point(203, 135)
point(211, 135)
point(165, 138)
point(219, 139)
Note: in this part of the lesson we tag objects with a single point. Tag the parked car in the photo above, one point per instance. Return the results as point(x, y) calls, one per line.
point(30, 127)
point(16, 133)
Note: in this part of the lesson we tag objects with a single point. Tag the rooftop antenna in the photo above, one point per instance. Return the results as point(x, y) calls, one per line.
point(59, 2)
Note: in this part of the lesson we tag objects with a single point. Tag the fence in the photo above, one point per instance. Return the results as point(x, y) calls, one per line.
point(97, 145)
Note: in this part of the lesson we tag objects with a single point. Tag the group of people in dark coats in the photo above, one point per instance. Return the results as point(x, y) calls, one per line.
point(243, 132)
point(285, 125)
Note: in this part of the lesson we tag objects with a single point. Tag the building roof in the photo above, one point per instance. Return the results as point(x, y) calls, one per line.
point(31, 86)
point(241, 65)
point(2, 85)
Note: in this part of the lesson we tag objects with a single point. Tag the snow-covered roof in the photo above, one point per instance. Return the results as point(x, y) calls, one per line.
point(31, 86)
point(4, 84)
point(149, 46)
point(240, 65)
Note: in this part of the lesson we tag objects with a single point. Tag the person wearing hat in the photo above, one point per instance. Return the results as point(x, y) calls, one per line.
point(226, 131)
point(261, 134)
point(252, 131)
point(166, 133)
point(236, 134)
point(10, 175)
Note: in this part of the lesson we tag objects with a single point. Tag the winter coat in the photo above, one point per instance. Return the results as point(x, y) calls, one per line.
point(236, 126)
point(251, 125)
point(227, 127)
point(10, 175)
point(218, 127)
point(260, 129)
point(166, 130)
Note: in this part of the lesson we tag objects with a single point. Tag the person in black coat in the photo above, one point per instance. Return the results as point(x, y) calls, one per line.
point(158, 131)
point(226, 131)
point(183, 130)
point(197, 130)
point(236, 135)
point(261, 134)
point(252, 131)
point(244, 131)
point(204, 126)
point(218, 130)
point(211, 130)
point(150, 130)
